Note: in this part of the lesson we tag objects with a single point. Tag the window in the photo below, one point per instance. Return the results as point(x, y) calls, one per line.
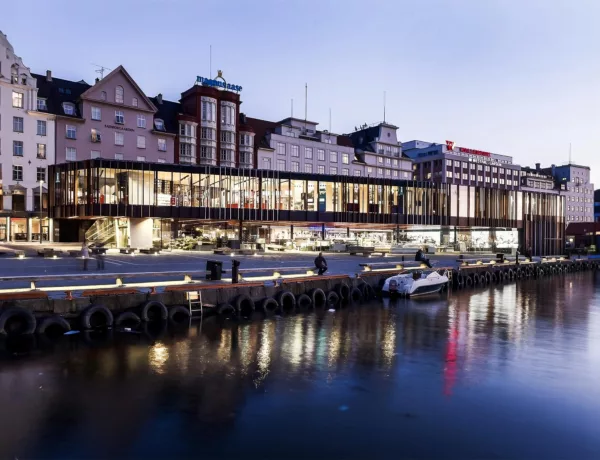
point(464, 164)
point(206, 153)
point(388, 161)
point(266, 163)
point(449, 174)
point(380, 171)
point(308, 153)
point(103, 96)
point(119, 95)
point(41, 128)
point(17, 100)
point(162, 160)
point(345, 159)
point(41, 174)
point(333, 170)
point(162, 145)
point(205, 133)
point(333, 157)
point(68, 108)
point(208, 111)
point(494, 169)
point(141, 158)
point(501, 170)
point(134, 102)
point(226, 155)
point(118, 156)
point(71, 132)
point(345, 172)
point(395, 173)
point(465, 176)
point(18, 124)
point(321, 169)
point(448, 162)
point(141, 142)
point(159, 124)
point(295, 151)
point(71, 154)
point(295, 166)
point(387, 172)
point(246, 139)
point(119, 117)
point(369, 170)
point(280, 148)
point(227, 137)
point(119, 139)
point(281, 165)
point(95, 154)
point(41, 104)
point(17, 173)
point(321, 154)
point(487, 169)
point(308, 168)
point(18, 148)
point(479, 167)
point(96, 113)
point(395, 162)
point(41, 151)
point(473, 177)
point(487, 179)
point(96, 135)
point(380, 160)
point(501, 181)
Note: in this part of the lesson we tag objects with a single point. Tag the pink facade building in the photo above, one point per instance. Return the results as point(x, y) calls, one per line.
point(113, 119)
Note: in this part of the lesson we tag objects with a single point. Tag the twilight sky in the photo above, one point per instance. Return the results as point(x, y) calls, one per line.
point(516, 77)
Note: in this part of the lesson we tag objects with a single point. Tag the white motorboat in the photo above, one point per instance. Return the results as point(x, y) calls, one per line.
point(417, 283)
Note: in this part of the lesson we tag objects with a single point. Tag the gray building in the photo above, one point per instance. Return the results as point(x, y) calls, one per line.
point(450, 164)
point(574, 184)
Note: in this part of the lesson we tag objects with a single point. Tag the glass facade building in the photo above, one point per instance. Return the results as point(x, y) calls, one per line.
point(100, 188)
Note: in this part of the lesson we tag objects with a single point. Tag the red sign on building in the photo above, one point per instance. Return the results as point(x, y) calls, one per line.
point(450, 145)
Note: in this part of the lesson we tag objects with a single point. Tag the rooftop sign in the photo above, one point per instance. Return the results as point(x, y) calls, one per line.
point(218, 82)
point(450, 146)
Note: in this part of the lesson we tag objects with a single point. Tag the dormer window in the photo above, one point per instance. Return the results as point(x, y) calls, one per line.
point(14, 74)
point(119, 95)
point(41, 104)
point(68, 108)
point(134, 102)
point(159, 124)
point(103, 96)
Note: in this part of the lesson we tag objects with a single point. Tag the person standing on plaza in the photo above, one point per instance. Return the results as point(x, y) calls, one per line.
point(321, 263)
point(100, 258)
point(85, 254)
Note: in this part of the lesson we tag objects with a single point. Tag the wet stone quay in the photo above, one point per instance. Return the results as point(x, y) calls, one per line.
point(503, 371)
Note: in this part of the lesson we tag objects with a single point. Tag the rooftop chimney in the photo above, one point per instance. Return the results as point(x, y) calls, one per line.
point(97, 80)
point(48, 75)
point(159, 98)
point(537, 166)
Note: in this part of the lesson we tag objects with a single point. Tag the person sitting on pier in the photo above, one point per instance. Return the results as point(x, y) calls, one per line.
point(420, 257)
point(321, 263)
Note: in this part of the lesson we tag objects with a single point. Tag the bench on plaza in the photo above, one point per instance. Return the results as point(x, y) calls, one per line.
point(368, 250)
point(127, 250)
point(149, 251)
point(385, 266)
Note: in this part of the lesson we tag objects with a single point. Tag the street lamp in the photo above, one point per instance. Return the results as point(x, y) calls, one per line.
point(41, 211)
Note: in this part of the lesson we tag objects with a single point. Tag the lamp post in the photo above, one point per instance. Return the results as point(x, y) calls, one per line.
point(41, 211)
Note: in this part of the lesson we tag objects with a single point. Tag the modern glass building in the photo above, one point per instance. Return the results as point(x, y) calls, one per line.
point(142, 204)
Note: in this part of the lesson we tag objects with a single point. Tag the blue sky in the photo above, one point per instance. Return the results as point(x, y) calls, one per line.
point(517, 77)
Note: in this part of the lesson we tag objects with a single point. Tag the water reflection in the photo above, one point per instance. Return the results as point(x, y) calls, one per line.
point(531, 342)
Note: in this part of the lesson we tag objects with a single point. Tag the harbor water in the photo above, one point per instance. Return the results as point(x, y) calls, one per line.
point(507, 371)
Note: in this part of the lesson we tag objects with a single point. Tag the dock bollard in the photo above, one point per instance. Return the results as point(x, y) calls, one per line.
point(234, 271)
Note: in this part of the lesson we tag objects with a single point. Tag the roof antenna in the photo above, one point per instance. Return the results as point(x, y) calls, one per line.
point(210, 61)
point(384, 106)
point(292, 107)
point(305, 105)
point(100, 70)
point(569, 153)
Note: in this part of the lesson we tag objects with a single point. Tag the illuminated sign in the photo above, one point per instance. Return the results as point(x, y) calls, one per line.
point(450, 146)
point(218, 82)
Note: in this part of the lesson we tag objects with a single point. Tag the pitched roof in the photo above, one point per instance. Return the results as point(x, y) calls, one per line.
point(122, 70)
point(167, 111)
point(58, 91)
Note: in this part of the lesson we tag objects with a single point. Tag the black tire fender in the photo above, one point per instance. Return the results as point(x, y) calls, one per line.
point(25, 327)
point(179, 314)
point(53, 321)
point(94, 311)
point(127, 317)
point(286, 300)
point(226, 310)
point(318, 298)
point(343, 291)
point(304, 301)
point(244, 305)
point(355, 295)
point(154, 311)
point(333, 299)
point(268, 305)
point(468, 281)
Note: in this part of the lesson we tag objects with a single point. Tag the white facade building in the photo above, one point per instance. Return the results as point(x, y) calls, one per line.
point(26, 149)
point(378, 148)
point(296, 145)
